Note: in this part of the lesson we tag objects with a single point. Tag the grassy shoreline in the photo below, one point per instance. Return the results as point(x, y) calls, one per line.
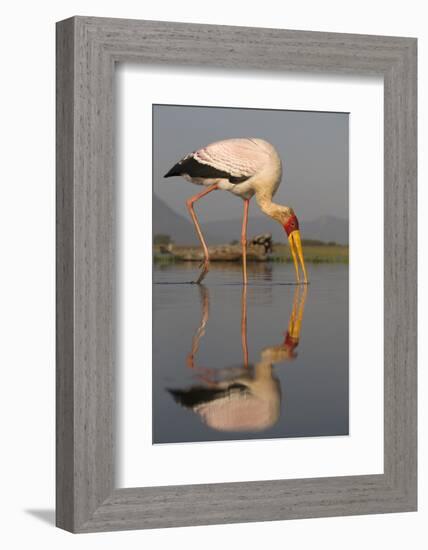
point(314, 253)
point(329, 253)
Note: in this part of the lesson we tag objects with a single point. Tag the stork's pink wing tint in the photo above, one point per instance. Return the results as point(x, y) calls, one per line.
point(238, 157)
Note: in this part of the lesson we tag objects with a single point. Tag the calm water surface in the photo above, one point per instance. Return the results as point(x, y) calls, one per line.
point(263, 362)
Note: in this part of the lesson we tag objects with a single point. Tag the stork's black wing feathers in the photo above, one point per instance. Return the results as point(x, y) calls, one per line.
point(195, 169)
point(197, 395)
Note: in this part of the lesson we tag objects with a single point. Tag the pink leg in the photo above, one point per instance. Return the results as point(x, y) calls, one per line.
point(190, 202)
point(205, 297)
point(244, 326)
point(244, 240)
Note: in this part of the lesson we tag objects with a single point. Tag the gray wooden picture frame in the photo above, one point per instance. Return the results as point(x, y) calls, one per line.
point(87, 50)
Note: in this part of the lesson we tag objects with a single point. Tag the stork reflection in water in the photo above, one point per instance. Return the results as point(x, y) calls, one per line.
point(245, 398)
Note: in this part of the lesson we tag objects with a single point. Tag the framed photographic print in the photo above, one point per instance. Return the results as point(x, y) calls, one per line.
point(236, 274)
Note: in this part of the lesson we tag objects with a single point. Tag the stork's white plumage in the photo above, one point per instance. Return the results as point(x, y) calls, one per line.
point(245, 167)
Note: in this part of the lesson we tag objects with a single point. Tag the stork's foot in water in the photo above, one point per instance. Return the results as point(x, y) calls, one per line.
point(205, 267)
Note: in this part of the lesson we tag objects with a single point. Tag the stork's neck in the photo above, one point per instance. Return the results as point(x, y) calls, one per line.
point(271, 209)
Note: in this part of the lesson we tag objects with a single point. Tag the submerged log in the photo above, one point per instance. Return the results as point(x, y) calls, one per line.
point(258, 250)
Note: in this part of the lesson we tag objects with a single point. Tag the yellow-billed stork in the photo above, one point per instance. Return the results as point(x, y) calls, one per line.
point(245, 167)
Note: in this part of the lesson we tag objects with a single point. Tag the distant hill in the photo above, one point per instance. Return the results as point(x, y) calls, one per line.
point(325, 228)
point(166, 221)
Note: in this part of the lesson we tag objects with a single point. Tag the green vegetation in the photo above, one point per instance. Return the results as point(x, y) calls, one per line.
point(165, 259)
point(314, 253)
point(314, 242)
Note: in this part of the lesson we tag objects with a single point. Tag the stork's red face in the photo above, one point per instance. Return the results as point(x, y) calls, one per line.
point(290, 344)
point(292, 224)
point(291, 227)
